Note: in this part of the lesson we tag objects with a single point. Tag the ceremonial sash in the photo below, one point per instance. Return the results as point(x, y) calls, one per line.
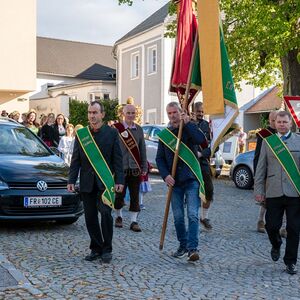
point(283, 155)
point(186, 155)
point(99, 164)
point(129, 142)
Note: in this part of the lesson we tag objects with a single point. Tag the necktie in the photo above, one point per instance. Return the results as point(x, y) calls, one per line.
point(283, 138)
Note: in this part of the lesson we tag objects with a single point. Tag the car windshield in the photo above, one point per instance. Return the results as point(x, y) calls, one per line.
point(20, 140)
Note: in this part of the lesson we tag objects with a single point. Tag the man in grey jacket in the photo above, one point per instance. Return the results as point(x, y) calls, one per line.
point(134, 165)
point(279, 190)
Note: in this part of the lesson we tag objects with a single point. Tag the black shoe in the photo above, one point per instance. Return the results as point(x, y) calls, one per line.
point(119, 222)
point(193, 255)
point(275, 253)
point(106, 257)
point(291, 269)
point(180, 252)
point(206, 223)
point(93, 256)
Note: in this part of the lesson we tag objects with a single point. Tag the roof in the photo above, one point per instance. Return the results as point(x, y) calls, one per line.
point(154, 20)
point(75, 59)
point(265, 102)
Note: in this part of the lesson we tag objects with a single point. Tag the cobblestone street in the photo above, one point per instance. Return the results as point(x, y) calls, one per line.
point(234, 259)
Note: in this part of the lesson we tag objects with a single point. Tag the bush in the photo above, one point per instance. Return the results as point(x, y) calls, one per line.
point(78, 112)
point(79, 109)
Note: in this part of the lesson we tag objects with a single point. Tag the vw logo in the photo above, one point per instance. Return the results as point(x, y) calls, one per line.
point(42, 185)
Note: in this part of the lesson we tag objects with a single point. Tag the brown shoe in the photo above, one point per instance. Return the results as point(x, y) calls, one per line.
point(206, 223)
point(119, 222)
point(261, 226)
point(134, 226)
point(283, 232)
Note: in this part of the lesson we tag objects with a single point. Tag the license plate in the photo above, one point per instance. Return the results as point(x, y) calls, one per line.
point(47, 201)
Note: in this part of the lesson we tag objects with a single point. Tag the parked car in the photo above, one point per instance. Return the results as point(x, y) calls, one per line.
point(33, 180)
point(151, 140)
point(241, 170)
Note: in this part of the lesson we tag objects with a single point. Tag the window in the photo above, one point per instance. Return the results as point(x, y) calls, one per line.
point(106, 96)
point(152, 60)
point(135, 65)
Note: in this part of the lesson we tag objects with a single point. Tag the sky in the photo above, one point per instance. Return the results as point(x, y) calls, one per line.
point(92, 21)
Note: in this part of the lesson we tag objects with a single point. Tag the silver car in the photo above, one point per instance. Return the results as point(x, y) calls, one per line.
point(151, 140)
point(241, 170)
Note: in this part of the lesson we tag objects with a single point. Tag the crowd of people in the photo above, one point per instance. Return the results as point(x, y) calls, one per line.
point(55, 131)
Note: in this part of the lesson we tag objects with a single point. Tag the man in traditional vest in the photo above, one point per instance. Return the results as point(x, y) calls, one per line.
point(134, 165)
point(272, 129)
point(97, 155)
point(204, 159)
point(185, 184)
point(277, 182)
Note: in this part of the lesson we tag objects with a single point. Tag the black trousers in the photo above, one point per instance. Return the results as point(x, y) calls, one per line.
point(132, 181)
point(101, 235)
point(208, 184)
point(274, 214)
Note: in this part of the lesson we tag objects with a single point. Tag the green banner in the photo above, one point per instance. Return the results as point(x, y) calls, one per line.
point(99, 164)
point(186, 155)
point(228, 85)
point(285, 158)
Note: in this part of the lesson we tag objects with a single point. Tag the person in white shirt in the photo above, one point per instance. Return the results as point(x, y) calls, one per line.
point(66, 144)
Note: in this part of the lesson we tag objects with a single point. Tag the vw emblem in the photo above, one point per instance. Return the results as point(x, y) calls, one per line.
point(42, 185)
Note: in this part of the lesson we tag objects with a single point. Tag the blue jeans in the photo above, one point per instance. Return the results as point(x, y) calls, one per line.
point(187, 193)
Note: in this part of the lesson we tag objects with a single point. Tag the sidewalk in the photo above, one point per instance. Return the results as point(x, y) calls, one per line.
point(13, 283)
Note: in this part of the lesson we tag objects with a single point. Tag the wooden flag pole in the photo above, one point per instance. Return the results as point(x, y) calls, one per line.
point(175, 160)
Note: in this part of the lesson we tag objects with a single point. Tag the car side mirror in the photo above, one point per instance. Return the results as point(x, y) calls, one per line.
point(57, 152)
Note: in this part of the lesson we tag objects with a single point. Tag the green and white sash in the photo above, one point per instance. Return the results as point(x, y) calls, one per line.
point(186, 155)
point(99, 164)
point(284, 157)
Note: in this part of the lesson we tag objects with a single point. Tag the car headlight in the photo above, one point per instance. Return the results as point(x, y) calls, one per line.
point(3, 186)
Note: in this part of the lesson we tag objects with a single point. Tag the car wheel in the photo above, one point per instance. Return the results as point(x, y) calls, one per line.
point(243, 178)
point(68, 221)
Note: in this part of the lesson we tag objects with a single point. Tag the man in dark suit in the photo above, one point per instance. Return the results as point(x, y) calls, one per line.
point(262, 210)
point(204, 159)
point(92, 187)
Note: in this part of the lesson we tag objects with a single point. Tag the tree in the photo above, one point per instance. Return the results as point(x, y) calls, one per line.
point(263, 41)
point(78, 111)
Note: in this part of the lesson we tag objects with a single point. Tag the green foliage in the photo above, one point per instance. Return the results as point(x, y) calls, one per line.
point(110, 106)
point(264, 120)
point(79, 111)
point(258, 34)
point(128, 2)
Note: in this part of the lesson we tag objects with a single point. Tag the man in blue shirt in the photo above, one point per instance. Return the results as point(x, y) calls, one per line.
point(185, 184)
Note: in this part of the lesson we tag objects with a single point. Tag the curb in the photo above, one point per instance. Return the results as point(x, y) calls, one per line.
point(22, 281)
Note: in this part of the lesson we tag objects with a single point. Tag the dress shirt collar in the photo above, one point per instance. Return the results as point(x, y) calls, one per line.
point(129, 127)
point(286, 136)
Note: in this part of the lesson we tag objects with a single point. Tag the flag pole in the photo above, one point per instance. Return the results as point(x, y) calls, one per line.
point(175, 160)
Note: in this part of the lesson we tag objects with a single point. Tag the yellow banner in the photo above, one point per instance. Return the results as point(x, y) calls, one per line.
point(210, 56)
